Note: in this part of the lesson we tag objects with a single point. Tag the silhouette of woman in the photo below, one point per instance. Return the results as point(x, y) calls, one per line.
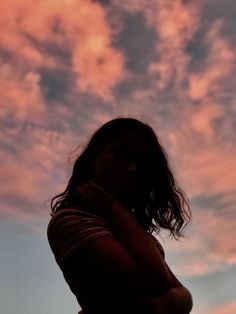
point(120, 192)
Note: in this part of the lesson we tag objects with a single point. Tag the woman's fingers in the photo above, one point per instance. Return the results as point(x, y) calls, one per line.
point(88, 192)
point(91, 189)
point(95, 195)
point(82, 191)
point(95, 198)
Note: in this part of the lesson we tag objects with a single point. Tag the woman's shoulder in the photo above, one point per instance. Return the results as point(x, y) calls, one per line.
point(74, 220)
point(72, 214)
point(68, 211)
point(71, 228)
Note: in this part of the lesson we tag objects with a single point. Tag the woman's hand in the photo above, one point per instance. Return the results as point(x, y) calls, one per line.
point(95, 199)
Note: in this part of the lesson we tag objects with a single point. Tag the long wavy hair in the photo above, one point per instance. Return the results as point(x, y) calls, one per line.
point(166, 206)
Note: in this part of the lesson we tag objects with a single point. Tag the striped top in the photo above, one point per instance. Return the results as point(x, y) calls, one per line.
point(69, 230)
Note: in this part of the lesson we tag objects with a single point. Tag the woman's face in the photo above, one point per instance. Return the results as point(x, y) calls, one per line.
point(124, 168)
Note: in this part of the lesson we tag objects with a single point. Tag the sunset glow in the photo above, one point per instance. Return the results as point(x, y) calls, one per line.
point(66, 67)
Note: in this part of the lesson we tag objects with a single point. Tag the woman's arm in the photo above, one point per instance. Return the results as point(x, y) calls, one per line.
point(182, 296)
point(131, 235)
point(178, 300)
point(166, 294)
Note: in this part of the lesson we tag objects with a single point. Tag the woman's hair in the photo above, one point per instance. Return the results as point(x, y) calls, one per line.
point(166, 207)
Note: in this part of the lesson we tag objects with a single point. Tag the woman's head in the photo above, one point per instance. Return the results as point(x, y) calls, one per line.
point(125, 157)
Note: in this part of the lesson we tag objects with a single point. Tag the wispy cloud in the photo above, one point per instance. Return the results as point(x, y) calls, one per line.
point(219, 64)
point(59, 31)
point(21, 96)
point(209, 246)
point(225, 309)
point(34, 162)
point(181, 93)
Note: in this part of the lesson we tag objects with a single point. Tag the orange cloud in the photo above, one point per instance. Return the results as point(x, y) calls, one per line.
point(209, 246)
point(204, 163)
point(174, 32)
point(20, 94)
point(25, 36)
point(173, 72)
point(19, 26)
point(35, 165)
point(28, 165)
point(99, 66)
point(229, 308)
point(202, 118)
point(218, 65)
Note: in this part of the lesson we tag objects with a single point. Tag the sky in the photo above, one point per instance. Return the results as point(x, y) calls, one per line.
point(67, 67)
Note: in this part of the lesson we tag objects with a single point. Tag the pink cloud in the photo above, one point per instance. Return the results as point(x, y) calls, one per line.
point(20, 94)
point(37, 166)
point(202, 118)
point(17, 214)
point(35, 170)
point(20, 179)
point(174, 32)
point(174, 67)
point(98, 66)
point(18, 19)
point(205, 165)
point(202, 161)
point(229, 308)
point(218, 65)
point(209, 246)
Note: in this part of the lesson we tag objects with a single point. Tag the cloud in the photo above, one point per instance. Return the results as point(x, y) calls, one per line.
point(62, 35)
point(210, 171)
point(174, 32)
point(20, 94)
point(186, 75)
point(99, 67)
point(60, 65)
point(36, 163)
point(209, 246)
point(203, 160)
point(20, 26)
point(229, 308)
point(181, 102)
point(218, 64)
point(33, 168)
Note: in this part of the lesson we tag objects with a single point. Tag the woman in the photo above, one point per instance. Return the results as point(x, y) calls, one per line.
point(120, 191)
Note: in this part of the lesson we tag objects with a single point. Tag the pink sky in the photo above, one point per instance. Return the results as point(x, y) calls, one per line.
point(66, 68)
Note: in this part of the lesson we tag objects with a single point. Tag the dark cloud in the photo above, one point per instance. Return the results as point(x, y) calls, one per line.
point(218, 9)
point(56, 45)
point(197, 50)
point(103, 2)
point(55, 84)
point(6, 55)
point(137, 40)
point(217, 201)
point(137, 82)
